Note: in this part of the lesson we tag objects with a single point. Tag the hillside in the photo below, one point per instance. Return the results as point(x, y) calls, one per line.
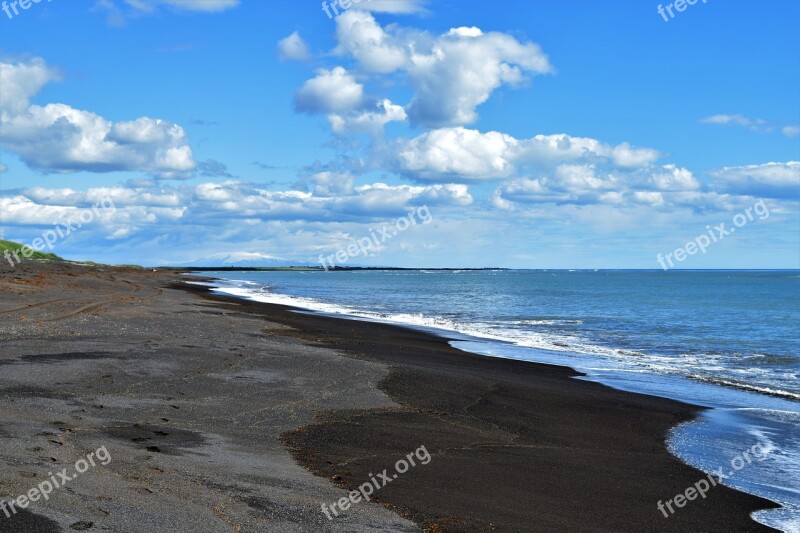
point(17, 247)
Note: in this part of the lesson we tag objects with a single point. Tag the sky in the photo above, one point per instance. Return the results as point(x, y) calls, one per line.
point(535, 133)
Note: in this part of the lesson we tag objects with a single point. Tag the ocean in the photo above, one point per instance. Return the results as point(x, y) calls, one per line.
point(728, 340)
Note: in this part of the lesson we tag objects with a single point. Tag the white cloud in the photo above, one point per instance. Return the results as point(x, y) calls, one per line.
point(360, 35)
point(668, 187)
point(119, 11)
point(464, 31)
point(585, 184)
point(293, 48)
point(673, 178)
point(370, 121)
point(791, 130)
point(649, 198)
point(21, 210)
point(3, 168)
point(462, 154)
point(156, 223)
point(624, 155)
point(397, 7)
point(21, 82)
point(462, 70)
point(153, 196)
point(333, 198)
point(451, 74)
point(330, 184)
point(201, 5)
point(336, 93)
point(456, 152)
point(154, 214)
point(769, 180)
point(207, 6)
point(402, 195)
point(755, 124)
point(59, 138)
point(331, 91)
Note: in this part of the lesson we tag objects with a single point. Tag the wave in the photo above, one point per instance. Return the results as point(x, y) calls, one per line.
point(746, 386)
point(687, 365)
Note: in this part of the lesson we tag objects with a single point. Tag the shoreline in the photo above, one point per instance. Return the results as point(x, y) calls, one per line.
point(311, 443)
point(197, 396)
point(486, 341)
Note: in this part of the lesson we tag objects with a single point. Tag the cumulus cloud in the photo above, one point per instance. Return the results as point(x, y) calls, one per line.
point(457, 153)
point(462, 70)
point(21, 82)
point(157, 217)
point(451, 74)
point(769, 180)
point(331, 91)
point(371, 120)
point(293, 48)
point(333, 196)
point(359, 35)
point(23, 211)
point(337, 94)
point(585, 184)
point(461, 154)
point(330, 184)
point(668, 186)
point(153, 195)
point(60, 138)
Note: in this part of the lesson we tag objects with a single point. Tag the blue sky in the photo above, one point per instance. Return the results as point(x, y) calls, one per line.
point(540, 134)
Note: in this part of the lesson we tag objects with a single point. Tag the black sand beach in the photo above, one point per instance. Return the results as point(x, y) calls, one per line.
point(218, 412)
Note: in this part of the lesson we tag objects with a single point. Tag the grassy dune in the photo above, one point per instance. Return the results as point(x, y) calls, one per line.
point(17, 247)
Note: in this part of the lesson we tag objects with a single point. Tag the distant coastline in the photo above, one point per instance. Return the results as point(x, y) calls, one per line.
point(315, 269)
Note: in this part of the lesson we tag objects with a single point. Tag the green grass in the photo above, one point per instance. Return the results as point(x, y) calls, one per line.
point(17, 247)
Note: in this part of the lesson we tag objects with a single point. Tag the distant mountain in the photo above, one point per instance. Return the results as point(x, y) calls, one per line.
point(241, 259)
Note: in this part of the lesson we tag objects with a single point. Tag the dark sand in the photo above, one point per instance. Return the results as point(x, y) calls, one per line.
point(202, 402)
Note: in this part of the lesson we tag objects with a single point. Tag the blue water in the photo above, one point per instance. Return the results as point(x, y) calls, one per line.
point(722, 339)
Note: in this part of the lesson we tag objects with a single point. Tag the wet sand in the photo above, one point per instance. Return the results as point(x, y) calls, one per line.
point(219, 412)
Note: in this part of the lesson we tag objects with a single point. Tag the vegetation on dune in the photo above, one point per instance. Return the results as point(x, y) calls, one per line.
point(16, 248)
